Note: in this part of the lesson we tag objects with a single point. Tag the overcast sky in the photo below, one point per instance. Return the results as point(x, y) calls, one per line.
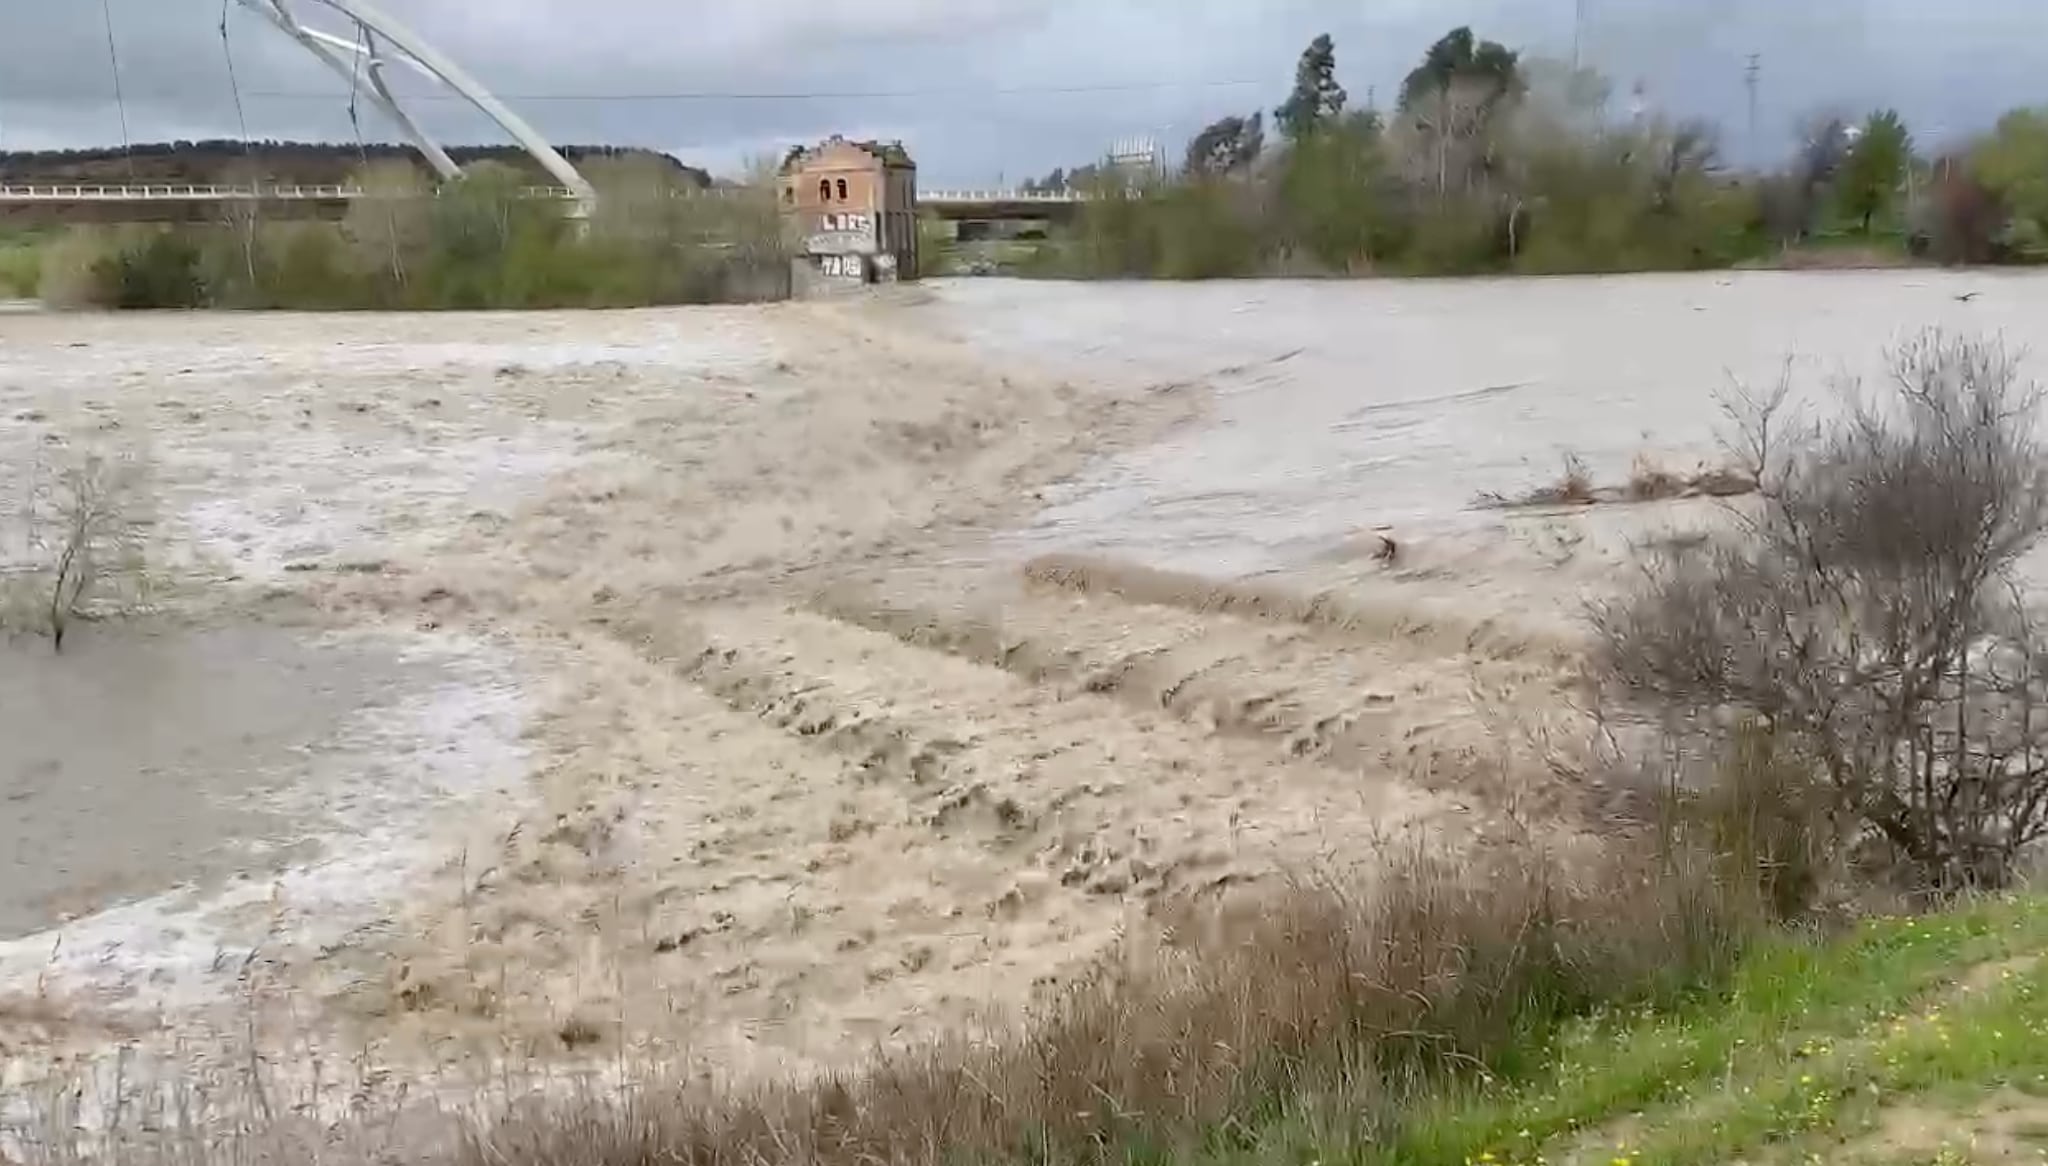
point(982, 89)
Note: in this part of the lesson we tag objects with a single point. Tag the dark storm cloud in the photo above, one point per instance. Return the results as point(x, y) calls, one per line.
point(982, 88)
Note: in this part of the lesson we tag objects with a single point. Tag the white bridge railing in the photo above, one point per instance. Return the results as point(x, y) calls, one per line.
point(176, 192)
point(181, 192)
point(983, 196)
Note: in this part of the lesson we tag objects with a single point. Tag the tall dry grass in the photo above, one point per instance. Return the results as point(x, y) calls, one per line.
point(1327, 1009)
point(1311, 1018)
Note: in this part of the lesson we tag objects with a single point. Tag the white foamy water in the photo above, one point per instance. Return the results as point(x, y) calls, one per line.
point(333, 819)
point(1341, 406)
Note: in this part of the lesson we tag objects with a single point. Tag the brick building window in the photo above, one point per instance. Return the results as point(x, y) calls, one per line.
point(842, 190)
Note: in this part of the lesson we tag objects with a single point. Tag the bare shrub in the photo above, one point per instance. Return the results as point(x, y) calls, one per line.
point(1649, 481)
point(1573, 487)
point(1721, 482)
point(1864, 612)
point(81, 528)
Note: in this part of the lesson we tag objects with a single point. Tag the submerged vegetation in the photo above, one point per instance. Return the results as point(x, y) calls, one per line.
point(1493, 163)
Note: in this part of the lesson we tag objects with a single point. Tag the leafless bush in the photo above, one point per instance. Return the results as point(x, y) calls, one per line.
point(1648, 481)
point(80, 527)
point(1864, 611)
point(1573, 487)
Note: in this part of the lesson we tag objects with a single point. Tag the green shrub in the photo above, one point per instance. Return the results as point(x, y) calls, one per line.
point(478, 245)
point(21, 267)
point(158, 269)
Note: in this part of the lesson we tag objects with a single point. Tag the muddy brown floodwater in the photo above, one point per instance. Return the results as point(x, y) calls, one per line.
point(141, 757)
point(742, 687)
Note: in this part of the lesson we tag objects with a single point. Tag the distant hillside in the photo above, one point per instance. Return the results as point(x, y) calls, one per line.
point(307, 163)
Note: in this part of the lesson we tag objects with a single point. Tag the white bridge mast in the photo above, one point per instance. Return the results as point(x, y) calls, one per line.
point(367, 54)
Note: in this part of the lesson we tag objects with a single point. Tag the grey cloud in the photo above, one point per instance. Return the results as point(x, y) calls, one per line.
point(993, 87)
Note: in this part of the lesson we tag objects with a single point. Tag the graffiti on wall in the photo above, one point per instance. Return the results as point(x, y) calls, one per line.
point(842, 233)
point(842, 266)
point(839, 243)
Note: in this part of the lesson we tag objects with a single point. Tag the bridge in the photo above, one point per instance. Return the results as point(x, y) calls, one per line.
point(380, 42)
point(153, 200)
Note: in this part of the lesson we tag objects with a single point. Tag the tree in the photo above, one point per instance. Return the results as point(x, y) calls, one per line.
point(1491, 68)
point(390, 225)
point(1452, 99)
point(1964, 220)
point(1791, 202)
point(1227, 145)
point(1824, 147)
point(1333, 195)
point(1317, 98)
point(1865, 614)
point(1690, 148)
point(1052, 183)
point(85, 522)
point(1875, 167)
point(2012, 164)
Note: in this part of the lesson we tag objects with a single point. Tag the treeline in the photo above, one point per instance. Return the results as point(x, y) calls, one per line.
point(1490, 162)
point(227, 162)
point(479, 244)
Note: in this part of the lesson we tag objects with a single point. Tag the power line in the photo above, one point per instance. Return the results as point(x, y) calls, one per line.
point(807, 95)
point(234, 86)
point(120, 102)
point(791, 95)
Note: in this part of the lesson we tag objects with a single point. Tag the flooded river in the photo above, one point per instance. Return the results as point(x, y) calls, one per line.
point(684, 668)
point(1345, 405)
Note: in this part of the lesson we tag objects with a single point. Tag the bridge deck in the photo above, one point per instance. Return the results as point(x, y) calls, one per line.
point(994, 201)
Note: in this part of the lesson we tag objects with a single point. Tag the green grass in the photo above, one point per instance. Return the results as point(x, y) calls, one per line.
point(1806, 1048)
point(1797, 1060)
point(21, 263)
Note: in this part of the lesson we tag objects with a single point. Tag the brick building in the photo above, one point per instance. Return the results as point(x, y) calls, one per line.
point(852, 208)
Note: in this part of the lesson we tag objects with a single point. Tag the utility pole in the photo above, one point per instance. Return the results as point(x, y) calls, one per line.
point(1578, 35)
point(1750, 76)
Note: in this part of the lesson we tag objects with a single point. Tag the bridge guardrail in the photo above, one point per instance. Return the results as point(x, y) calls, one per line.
point(194, 192)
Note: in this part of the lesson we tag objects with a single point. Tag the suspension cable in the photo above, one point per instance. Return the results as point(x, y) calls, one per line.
point(248, 232)
point(120, 100)
point(355, 76)
point(366, 52)
point(227, 52)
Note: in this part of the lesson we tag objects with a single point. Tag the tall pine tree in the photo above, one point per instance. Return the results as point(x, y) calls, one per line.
point(1317, 99)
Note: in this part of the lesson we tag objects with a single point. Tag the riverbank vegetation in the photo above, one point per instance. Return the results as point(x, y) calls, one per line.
point(21, 264)
point(1490, 162)
point(656, 238)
